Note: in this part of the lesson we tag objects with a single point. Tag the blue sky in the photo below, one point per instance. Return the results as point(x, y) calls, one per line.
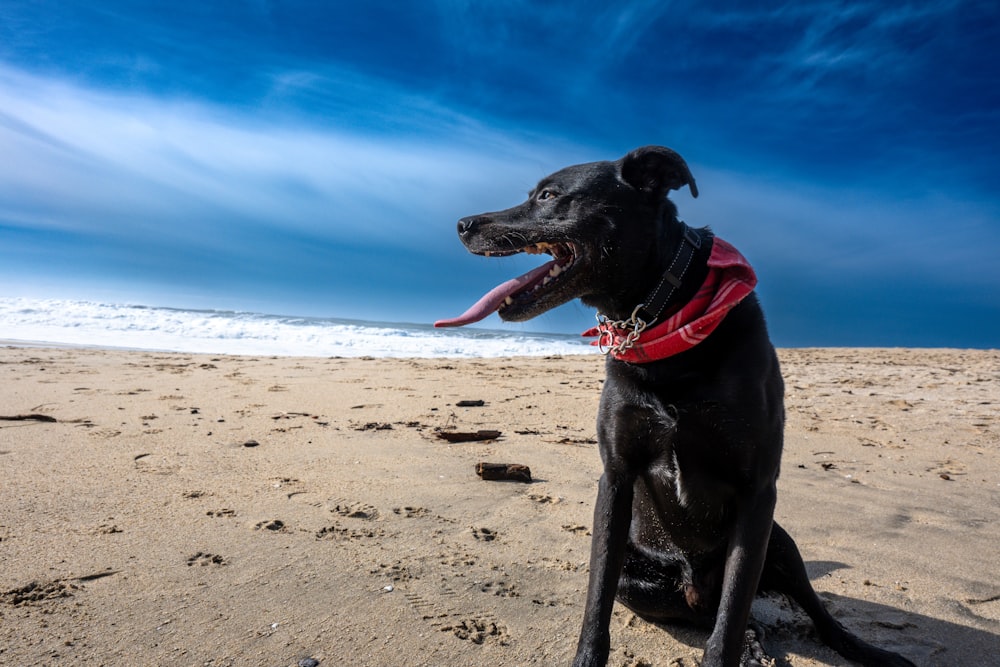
point(312, 158)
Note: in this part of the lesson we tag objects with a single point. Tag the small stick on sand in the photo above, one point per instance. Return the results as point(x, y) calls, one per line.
point(514, 472)
point(31, 417)
point(460, 436)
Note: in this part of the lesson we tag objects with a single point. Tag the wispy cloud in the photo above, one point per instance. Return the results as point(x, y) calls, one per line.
point(161, 170)
point(132, 164)
point(851, 42)
point(153, 189)
point(826, 234)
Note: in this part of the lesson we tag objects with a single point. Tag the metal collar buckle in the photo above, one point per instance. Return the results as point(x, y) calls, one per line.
point(691, 236)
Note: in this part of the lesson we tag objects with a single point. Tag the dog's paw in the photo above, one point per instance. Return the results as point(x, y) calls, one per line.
point(593, 654)
point(588, 660)
point(754, 654)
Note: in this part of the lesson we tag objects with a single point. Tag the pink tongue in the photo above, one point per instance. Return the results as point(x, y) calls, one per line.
point(490, 301)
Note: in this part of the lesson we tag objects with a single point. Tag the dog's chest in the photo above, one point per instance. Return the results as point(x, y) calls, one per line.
point(667, 478)
point(678, 506)
point(669, 436)
point(682, 486)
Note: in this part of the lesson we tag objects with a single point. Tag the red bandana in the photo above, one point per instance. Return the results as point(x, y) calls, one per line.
point(730, 279)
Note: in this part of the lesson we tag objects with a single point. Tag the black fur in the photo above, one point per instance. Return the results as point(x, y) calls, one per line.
point(691, 445)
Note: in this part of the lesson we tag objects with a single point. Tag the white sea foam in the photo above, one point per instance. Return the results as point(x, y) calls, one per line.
point(220, 332)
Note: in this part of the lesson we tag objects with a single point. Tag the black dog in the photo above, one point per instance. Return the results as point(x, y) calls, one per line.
point(692, 412)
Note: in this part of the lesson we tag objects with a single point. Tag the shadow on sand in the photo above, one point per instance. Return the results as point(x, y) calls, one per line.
point(927, 641)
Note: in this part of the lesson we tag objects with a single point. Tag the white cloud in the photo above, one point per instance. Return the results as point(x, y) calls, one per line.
point(843, 234)
point(108, 161)
point(813, 41)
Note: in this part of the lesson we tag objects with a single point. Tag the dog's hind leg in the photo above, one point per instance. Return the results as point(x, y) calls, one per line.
point(784, 572)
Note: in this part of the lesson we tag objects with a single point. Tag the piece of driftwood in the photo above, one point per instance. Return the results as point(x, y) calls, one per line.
point(460, 436)
point(32, 417)
point(514, 472)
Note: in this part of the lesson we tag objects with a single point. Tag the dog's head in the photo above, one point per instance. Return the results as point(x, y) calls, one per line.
point(602, 222)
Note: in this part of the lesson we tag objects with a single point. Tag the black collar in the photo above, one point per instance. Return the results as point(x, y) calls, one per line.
point(652, 308)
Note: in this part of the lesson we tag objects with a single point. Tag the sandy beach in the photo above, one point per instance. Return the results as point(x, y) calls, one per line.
point(178, 509)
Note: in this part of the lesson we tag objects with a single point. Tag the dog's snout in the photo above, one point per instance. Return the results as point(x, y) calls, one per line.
point(467, 225)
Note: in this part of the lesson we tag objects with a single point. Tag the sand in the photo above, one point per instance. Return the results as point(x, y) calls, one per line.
point(176, 509)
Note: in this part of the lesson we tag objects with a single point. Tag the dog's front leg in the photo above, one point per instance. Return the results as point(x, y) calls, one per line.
point(612, 518)
point(744, 563)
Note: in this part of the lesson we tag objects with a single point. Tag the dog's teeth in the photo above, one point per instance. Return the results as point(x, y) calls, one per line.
point(555, 271)
point(508, 301)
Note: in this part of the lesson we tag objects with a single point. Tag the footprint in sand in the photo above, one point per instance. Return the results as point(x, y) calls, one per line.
point(456, 559)
point(37, 592)
point(558, 564)
point(338, 531)
point(434, 611)
point(354, 510)
point(396, 572)
point(411, 512)
point(273, 525)
point(483, 534)
point(439, 609)
point(499, 588)
point(204, 558)
point(107, 529)
point(478, 631)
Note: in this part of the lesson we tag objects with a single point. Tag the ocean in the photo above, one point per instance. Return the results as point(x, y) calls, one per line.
point(108, 325)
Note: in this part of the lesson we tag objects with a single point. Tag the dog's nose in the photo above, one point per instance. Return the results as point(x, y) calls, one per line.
point(467, 225)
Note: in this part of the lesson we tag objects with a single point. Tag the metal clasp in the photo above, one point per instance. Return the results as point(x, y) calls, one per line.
point(606, 327)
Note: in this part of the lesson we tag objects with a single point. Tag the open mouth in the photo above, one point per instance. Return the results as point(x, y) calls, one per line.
point(524, 296)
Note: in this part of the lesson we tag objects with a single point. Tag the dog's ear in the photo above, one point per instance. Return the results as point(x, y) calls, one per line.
point(657, 170)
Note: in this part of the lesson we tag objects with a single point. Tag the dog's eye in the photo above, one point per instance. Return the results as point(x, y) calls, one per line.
point(545, 194)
